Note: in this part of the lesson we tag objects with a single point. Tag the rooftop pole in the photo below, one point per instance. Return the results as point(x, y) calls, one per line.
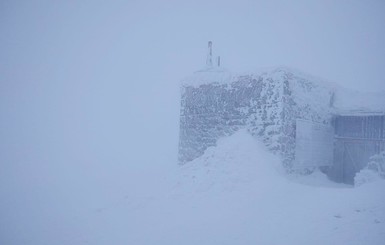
point(209, 60)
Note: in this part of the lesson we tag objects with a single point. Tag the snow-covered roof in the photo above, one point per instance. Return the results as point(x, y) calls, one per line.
point(208, 75)
point(354, 102)
point(361, 112)
point(345, 100)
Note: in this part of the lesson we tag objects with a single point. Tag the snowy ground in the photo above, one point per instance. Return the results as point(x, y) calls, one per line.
point(234, 194)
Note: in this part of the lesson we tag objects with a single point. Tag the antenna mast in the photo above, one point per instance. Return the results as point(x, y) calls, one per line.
point(209, 60)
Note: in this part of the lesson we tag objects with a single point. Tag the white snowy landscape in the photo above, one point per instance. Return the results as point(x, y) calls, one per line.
point(235, 193)
point(115, 129)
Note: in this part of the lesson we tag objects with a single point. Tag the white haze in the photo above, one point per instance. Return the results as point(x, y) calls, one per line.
point(89, 90)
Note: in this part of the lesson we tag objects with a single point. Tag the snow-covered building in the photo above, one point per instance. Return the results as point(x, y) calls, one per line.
point(291, 112)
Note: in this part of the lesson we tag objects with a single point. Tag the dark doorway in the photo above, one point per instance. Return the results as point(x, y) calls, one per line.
point(357, 138)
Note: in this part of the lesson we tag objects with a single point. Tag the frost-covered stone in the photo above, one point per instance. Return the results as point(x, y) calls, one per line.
point(216, 103)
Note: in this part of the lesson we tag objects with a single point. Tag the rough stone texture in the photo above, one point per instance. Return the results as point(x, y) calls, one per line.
point(266, 103)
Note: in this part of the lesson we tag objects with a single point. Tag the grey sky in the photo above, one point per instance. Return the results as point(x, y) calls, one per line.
point(105, 74)
point(341, 41)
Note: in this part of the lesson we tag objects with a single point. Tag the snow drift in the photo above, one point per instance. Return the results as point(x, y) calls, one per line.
point(238, 159)
point(236, 193)
point(232, 194)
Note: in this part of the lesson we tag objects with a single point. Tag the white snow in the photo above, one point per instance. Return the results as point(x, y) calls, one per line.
point(238, 195)
point(345, 100)
point(208, 75)
point(352, 102)
point(234, 194)
point(235, 161)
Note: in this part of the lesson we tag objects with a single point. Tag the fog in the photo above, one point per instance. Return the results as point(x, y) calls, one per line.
point(89, 90)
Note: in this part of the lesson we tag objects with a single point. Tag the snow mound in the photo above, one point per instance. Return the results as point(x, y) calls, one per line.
point(236, 159)
point(366, 176)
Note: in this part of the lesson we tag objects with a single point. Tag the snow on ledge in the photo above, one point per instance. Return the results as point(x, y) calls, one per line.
point(208, 75)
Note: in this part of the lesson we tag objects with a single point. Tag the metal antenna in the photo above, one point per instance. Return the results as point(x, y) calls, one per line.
point(209, 60)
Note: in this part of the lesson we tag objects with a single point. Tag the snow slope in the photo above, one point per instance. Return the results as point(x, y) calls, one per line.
point(234, 194)
point(237, 188)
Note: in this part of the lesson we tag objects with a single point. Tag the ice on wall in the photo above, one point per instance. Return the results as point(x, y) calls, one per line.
point(216, 103)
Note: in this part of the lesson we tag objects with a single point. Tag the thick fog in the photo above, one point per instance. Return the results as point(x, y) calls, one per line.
point(89, 90)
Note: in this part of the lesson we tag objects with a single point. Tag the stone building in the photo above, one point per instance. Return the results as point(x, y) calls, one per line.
point(291, 112)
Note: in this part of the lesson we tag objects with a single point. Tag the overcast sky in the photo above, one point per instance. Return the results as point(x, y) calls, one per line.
point(100, 79)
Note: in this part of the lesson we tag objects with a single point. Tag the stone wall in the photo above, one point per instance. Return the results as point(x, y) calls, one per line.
point(267, 104)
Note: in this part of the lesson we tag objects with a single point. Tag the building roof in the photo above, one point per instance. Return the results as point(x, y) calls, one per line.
point(359, 113)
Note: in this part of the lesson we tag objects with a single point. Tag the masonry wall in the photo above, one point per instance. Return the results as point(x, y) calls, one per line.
point(302, 99)
point(211, 111)
point(267, 104)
